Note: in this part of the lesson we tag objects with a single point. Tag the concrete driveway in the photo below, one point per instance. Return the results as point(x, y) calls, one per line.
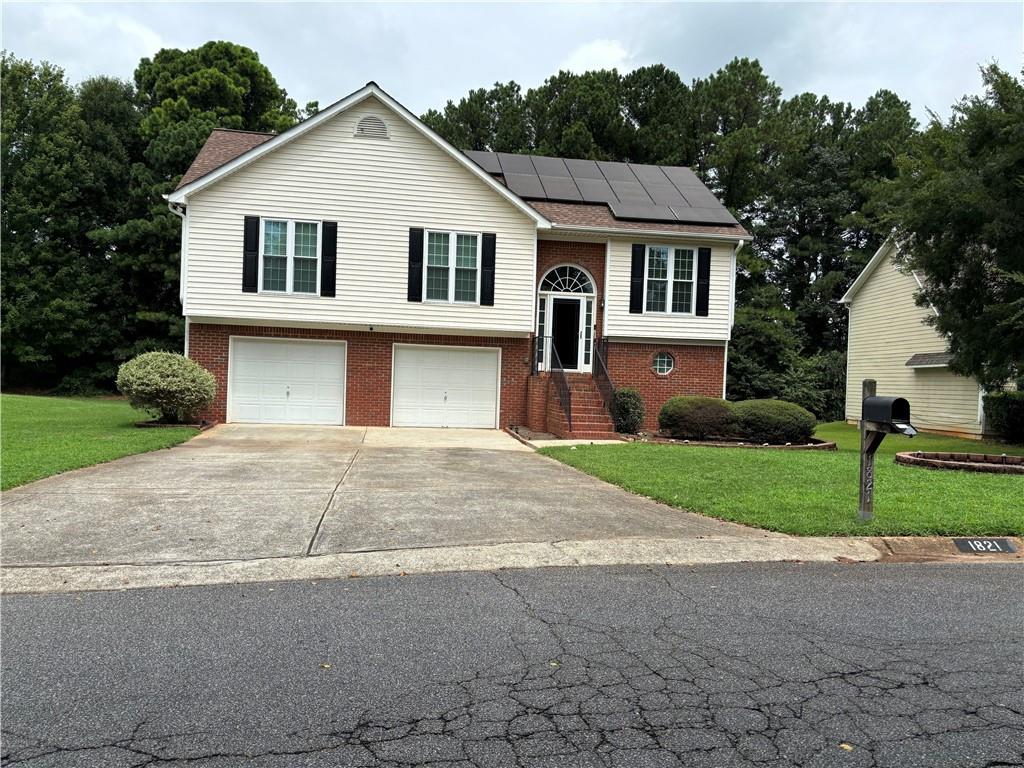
point(241, 492)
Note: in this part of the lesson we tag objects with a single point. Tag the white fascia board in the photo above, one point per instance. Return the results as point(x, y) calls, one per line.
point(181, 195)
point(882, 252)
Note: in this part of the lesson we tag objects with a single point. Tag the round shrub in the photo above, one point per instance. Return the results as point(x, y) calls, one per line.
point(1004, 414)
point(169, 386)
point(773, 421)
point(696, 418)
point(627, 411)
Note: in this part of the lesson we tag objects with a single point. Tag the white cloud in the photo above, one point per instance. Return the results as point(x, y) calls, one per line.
point(599, 54)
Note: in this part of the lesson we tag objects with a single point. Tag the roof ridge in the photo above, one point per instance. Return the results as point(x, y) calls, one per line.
point(243, 130)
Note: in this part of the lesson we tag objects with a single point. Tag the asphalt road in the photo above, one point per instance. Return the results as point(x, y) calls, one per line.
point(719, 666)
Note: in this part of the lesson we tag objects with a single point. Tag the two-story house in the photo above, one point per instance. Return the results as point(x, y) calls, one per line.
point(358, 269)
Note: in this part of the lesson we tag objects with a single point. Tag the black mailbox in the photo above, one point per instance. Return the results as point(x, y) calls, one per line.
point(889, 414)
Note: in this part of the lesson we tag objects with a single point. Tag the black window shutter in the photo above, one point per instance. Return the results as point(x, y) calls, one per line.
point(416, 264)
point(703, 280)
point(251, 254)
point(487, 270)
point(328, 257)
point(636, 279)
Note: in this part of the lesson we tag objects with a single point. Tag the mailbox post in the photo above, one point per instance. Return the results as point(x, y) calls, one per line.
point(879, 416)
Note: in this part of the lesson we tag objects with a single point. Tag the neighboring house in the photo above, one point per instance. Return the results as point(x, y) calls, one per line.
point(358, 269)
point(890, 342)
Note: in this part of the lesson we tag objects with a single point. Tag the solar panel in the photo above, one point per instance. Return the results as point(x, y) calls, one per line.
point(551, 166)
point(595, 190)
point(631, 192)
point(516, 164)
point(560, 188)
point(665, 194)
point(687, 215)
point(584, 169)
point(615, 171)
point(642, 212)
point(682, 177)
point(486, 160)
point(525, 185)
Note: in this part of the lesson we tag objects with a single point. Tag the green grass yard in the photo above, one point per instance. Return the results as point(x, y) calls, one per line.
point(42, 436)
point(814, 493)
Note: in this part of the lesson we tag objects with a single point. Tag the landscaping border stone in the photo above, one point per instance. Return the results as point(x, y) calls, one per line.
point(996, 464)
point(813, 445)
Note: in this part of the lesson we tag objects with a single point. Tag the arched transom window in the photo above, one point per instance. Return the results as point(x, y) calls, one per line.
point(567, 279)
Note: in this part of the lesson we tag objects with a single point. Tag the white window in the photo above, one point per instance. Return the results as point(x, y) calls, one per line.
point(663, 363)
point(290, 256)
point(452, 271)
point(668, 279)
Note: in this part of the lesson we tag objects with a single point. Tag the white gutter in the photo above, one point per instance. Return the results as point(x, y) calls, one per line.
point(644, 233)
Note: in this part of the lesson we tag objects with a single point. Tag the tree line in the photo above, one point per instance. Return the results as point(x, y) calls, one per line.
point(91, 251)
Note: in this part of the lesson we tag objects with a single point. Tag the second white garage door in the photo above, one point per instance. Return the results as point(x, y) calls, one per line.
point(445, 387)
point(286, 382)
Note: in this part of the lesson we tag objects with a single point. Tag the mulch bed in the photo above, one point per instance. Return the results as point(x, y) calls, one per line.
point(997, 464)
point(813, 445)
point(202, 426)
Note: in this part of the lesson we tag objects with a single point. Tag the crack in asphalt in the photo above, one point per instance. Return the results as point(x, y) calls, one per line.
point(586, 693)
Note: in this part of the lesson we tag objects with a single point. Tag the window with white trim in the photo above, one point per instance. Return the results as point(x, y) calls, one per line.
point(452, 271)
point(669, 279)
point(663, 363)
point(290, 256)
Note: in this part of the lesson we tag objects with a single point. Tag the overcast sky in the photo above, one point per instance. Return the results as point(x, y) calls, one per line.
point(425, 54)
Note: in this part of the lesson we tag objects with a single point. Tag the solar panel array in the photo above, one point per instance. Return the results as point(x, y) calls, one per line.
point(631, 191)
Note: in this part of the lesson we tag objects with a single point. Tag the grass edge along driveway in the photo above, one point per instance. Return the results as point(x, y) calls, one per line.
point(43, 436)
point(814, 493)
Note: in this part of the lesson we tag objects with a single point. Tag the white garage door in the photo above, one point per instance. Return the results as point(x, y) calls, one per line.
point(445, 387)
point(286, 382)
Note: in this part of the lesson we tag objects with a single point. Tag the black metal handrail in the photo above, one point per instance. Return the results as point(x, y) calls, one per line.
point(557, 375)
point(601, 377)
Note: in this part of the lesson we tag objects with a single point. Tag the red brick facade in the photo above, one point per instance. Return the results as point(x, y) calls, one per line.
point(698, 370)
point(368, 374)
point(590, 256)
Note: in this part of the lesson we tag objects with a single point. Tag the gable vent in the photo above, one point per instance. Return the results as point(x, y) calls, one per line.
point(372, 127)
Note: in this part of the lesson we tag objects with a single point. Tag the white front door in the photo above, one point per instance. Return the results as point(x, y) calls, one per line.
point(278, 381)
point(445, 386)
point(552, 328)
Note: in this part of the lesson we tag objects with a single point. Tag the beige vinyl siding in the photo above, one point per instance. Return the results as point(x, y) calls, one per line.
point(375, 189)
point(661, 325)
point(886, 328)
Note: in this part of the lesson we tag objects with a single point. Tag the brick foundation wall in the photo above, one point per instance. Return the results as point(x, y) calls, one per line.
point(590, 256)
point(699, 370)
point(368, 367)
point(537, 402)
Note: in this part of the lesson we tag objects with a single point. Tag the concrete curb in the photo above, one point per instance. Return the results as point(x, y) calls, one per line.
point(15, 580)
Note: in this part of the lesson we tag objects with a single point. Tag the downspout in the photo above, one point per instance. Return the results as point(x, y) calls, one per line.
point(178, 210)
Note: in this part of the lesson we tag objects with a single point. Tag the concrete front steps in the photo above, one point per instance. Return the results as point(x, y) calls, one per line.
point(590, 419)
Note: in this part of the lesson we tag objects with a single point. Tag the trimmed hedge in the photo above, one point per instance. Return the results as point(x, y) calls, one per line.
point(628, 411)
point(168, 386)
point(773, 421)
point(696, 418)
point(1004, 413)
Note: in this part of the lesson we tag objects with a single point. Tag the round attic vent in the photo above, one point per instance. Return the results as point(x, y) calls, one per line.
point(372, 127)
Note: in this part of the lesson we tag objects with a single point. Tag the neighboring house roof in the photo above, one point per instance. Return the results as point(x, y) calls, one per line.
point(929, 360)
point(371, 89)
point(222, 146)
point(570, 194)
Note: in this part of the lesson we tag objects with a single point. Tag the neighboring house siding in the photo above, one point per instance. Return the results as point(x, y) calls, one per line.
point(621, 323)
point(886, 328)
point(375, 189)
